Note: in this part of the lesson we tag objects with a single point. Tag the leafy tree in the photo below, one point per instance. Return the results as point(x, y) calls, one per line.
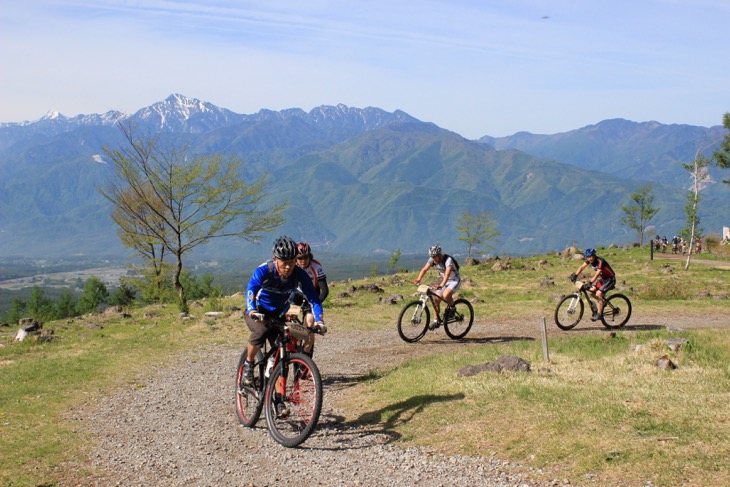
point(123, 296)
point(66, 305)
point(639, 214)
point(17, 309)
point(722, 155)
point(193, 198)
point(476, 230)
point(139, 228)
point(194, 288)
point(394, 258)
point(93, 295)
point(40, 306)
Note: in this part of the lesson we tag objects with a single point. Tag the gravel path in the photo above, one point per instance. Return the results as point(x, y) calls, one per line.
point(179, 428)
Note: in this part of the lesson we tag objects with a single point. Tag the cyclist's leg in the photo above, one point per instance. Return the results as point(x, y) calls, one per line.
point(436, 300)
point(309, 323)
point(601, 301)
point(449, 290)
point(257, 337)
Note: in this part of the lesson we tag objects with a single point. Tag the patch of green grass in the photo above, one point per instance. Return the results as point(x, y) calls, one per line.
point(601, 407)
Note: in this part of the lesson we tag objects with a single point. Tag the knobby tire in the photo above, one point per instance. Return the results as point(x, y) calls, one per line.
point(249, 402)
point(302, 396)
point(616, 312)
point(413, 321)
point(459, 325)
point(566, 317)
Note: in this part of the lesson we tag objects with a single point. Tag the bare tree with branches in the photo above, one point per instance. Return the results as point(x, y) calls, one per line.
point(180, 200)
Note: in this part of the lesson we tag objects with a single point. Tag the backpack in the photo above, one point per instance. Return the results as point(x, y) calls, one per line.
point(456, 264)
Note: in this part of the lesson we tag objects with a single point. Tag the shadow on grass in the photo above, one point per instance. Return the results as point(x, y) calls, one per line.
point(376, 427)
point(598, 327)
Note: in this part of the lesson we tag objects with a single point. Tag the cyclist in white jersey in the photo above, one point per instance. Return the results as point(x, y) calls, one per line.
point(450, 281)
point(315, 271)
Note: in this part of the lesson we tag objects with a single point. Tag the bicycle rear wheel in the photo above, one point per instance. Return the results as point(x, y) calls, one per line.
point(459, 325)
point(616, 312)
point(569, 311)
point(299, 389)
point(249, 402)
point(413, 321)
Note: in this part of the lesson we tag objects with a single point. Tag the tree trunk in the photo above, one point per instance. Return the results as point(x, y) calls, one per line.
point(694, 213)
point(182, 301)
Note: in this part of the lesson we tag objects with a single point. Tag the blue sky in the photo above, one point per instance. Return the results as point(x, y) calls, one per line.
point(477, 67)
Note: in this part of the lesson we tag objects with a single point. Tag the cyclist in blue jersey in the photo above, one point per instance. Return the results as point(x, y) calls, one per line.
point(269, 295)
point(602, 281)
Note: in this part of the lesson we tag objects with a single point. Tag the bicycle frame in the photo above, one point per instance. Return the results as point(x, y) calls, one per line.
point(427, 295)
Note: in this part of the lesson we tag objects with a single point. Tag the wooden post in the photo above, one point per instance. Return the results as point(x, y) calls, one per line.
point(545, 354)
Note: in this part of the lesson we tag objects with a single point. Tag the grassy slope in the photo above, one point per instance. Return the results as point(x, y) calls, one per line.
point(41, 383)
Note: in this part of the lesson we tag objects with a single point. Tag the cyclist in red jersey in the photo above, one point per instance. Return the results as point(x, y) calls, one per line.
point(602, 281)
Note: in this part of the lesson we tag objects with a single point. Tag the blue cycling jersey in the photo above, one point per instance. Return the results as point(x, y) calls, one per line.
point(267, 292)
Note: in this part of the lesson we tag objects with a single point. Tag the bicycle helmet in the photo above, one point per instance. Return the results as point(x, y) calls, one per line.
point(589, 252)
point(434, 250)
point(304, 250)
point(284, 248)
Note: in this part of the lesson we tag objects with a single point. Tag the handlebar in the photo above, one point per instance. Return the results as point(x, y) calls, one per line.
point(318, 328)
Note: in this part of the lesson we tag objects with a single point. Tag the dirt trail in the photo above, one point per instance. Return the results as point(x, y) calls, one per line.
point(178, 427)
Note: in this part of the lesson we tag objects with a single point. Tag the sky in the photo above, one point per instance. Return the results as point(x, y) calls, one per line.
point(475, 67)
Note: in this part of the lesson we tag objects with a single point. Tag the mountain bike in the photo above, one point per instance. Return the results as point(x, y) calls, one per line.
point(568, 313)
point(286, 385)
point(415, 317)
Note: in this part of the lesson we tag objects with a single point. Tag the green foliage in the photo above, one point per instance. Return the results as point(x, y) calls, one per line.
point(93, 295)
point(17, 309)
point(477, 231)
point(722, 155)
point(196, 288)
point(373, 270)
point(123, 296)
point(640, 214)
point(394, 258)
point(66, 305)
point(39, 306)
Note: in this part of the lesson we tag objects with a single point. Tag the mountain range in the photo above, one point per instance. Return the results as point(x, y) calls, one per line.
point(364, 180)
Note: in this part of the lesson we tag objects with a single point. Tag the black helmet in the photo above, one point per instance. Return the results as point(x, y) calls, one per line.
point(434, 250)
point(284, 248)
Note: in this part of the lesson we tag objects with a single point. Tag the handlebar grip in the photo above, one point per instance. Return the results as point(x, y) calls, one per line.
point(257, 316)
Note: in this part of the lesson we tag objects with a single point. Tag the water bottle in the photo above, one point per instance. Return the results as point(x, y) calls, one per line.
point(269, 366)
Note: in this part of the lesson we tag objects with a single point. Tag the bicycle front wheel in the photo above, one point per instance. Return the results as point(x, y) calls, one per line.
point(616, 312)
point(569, 311)
point(293, 400)
point(248, 398)
point(413, 321)
point(459, 325)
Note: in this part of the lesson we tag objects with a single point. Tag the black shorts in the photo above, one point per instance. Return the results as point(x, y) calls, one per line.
point(605, 285)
